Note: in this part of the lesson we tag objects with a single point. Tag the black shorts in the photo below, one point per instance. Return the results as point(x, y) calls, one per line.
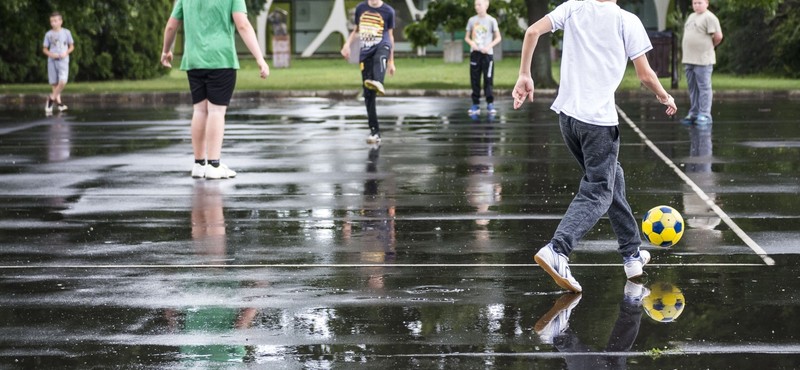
point(216, 85)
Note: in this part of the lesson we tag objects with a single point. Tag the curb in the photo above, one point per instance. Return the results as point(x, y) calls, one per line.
point(185, 96)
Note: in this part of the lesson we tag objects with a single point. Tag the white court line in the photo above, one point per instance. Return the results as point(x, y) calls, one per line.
point(370, 265)
point(745, 238)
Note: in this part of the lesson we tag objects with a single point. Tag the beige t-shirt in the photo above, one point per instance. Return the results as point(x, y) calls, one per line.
point(698, 39)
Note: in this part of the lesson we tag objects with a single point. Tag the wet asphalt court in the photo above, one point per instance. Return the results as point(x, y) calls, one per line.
point(328, 253)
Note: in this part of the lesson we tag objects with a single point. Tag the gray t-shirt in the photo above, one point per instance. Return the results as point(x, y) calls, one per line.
point(58, 42)
point(482, 30)
point(698, 39)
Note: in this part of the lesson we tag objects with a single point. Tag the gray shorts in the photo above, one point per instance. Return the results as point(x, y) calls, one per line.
point(57, 70)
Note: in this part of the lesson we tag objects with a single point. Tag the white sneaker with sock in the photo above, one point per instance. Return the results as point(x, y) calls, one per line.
point(556, 321)
point(633, 265)
point(221, 172)
point(199, 170)
point(556, 264)
point(635, 292)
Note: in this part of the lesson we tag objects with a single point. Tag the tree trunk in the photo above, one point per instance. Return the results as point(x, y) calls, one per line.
point(541, 65)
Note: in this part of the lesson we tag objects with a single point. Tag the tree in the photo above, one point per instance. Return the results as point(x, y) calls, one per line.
point(451, 15)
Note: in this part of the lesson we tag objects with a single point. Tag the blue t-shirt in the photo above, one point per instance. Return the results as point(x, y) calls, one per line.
point(373, 27)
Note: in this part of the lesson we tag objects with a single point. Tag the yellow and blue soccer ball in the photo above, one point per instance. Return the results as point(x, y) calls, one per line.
point(663, 226)
point(665, 302)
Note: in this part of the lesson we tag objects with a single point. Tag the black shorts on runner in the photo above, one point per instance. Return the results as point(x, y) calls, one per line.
point(216, 85)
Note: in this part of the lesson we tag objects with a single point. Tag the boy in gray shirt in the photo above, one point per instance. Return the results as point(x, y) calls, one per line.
point(482, 35)
point(58, 44)
point(701, 34)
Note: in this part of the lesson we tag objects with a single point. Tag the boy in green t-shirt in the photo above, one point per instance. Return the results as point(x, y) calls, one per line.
point(210, 62)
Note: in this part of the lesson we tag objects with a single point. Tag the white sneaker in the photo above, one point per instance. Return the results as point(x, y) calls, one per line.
point(635, 292)
point(556, 321)
point(374, 138)
point(62, 107)
point(556, 264)
point(633, 265)
point(199, 170)
point(48, 107)
point(221, 172)
point(376, 86)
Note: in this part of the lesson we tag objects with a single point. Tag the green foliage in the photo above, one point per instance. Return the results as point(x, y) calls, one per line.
point(419, 35)
point(786, 39)
point(452, 15)
point(507, 14)
point(761, 37)
point(114, 39)
point(767, 5)
point(254, 6)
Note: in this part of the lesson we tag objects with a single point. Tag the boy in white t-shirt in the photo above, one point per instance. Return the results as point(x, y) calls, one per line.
point(599, 37)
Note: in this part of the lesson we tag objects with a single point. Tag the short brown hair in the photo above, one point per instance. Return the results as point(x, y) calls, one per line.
point(56, 14)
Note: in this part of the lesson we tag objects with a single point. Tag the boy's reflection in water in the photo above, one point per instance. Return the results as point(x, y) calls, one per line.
point(377, 242)
point(209, 241)
point(553, 328)
point(59, 136)
point(378, 235)
point(697, 214)
point(482, 190)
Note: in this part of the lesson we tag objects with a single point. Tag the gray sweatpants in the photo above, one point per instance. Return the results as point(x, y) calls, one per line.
point(699, 80)
point(602, 188)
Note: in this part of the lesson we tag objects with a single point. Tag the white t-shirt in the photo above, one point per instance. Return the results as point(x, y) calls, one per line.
point(599, 37)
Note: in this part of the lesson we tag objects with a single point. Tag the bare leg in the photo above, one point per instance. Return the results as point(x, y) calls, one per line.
point(57, 89)
point(199, 119)
point(215, 129)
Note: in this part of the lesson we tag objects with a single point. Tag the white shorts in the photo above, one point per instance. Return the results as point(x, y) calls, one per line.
point(57, 70)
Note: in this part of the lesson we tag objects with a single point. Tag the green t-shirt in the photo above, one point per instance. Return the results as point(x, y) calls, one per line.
point(208, 27)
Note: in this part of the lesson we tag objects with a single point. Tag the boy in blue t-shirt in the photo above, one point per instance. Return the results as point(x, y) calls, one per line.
point(375, 30)
point(58, 44)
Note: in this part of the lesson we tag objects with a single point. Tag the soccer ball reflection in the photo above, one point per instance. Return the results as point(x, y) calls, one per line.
point(665, 302)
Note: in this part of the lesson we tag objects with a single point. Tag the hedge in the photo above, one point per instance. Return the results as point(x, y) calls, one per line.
point(114, 39)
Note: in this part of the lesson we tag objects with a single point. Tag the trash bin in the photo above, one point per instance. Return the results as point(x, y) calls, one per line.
point(281, 44)
point(664, 56)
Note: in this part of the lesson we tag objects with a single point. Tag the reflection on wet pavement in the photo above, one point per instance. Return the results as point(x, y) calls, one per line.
point(112, 254)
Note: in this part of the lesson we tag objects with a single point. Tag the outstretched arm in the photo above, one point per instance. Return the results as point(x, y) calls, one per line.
point(249, 37)
point(650, 80)
point(169, 40)
point(524, 86)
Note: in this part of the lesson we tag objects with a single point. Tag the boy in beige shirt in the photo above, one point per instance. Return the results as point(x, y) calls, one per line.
point(701, 34)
